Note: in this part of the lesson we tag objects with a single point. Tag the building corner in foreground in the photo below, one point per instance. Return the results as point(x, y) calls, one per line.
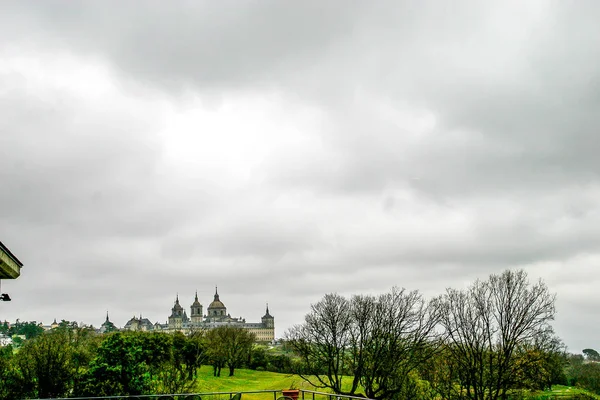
point(10, 268)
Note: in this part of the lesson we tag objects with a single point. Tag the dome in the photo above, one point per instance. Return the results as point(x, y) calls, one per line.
point(216, 303)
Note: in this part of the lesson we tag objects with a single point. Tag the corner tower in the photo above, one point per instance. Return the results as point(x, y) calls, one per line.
point(268, 320)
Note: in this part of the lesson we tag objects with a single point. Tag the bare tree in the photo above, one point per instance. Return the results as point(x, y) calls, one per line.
point(322, 341)
point(376, 341)
point(393, 340)
point(485, 327)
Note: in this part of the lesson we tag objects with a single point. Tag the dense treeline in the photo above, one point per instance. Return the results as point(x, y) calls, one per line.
point(72, 361)
point(584, 372)
point(27, 329)
point(491, 341)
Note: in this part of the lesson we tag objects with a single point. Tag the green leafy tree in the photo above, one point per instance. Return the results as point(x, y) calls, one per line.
point(177, 374)
point(28, 329)
point(156, 349)
point(194, 352)
point(591, 354)
point(46, 365)
point(215, 350)
point(238, 344)
point(119, 367)
point(258, 358)
point(573, 368)
point(7, 378)
point(583, 374)
point(17, 342)
point(134, 363)
point(84, 345)
point(440, 373)
point(4, 328)
point(589, 377)
point(172, 376)
point(281, 363)
point(228, 346)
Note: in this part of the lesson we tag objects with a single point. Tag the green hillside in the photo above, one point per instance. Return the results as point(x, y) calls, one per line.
point(565, 392)
point(247, 380)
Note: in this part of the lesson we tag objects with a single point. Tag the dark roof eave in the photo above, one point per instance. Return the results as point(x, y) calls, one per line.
point(10, 254)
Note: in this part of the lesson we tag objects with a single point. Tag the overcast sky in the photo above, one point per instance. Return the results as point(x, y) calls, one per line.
point(283, 150)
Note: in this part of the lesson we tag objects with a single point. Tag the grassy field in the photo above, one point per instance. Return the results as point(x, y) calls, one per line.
point(248, 380)
point(559, 391)
point(245, 379)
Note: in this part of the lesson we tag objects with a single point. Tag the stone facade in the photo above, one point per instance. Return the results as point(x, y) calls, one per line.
point(136, 324)
point(216, 315)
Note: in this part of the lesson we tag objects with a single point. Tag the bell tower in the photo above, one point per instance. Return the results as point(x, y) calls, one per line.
point(196, 311)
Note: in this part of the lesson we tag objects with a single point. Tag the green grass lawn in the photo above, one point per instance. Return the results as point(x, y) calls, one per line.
point(565, 391)
point(247, 380)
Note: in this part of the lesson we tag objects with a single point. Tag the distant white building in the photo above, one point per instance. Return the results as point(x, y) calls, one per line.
point(5, 340)
point(53, 325)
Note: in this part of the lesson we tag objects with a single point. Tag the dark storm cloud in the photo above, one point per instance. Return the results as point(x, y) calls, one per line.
point(449, 142)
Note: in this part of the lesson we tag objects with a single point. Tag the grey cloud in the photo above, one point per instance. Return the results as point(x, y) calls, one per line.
point(204, 43)
point(452, 142)
point(517, 96)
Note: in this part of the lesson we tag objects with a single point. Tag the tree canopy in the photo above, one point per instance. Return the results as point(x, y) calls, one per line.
point(377, 341)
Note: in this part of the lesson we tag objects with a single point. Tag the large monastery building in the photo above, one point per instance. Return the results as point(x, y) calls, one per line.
point(216, 315)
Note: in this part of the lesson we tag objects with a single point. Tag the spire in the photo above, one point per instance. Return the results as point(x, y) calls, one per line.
point(216, 294)
point(267, 315)
point(196, 298)
point(177, 299)
point(106, 315)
